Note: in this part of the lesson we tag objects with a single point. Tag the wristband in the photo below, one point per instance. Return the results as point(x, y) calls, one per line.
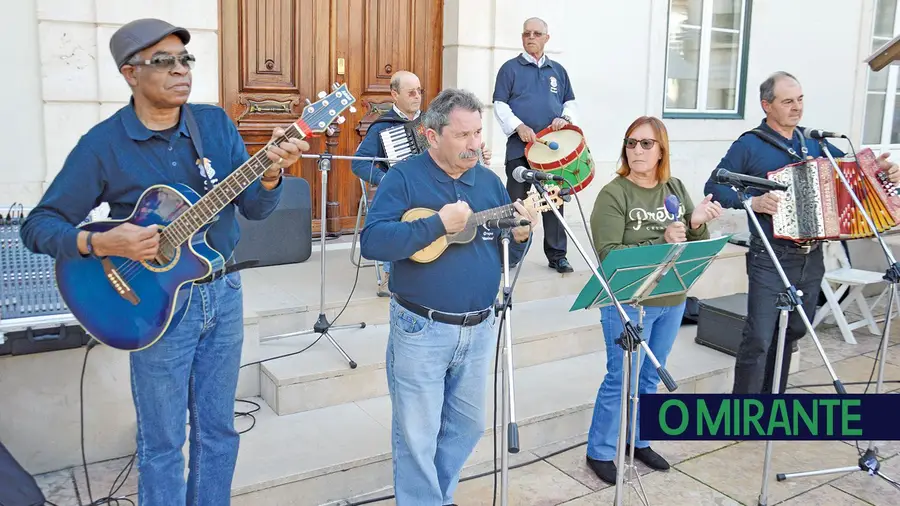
point(90, 244)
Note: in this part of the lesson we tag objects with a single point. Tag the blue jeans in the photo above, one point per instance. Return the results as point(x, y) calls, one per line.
point(387, 267)
point(437, 378)
point(193, 367)
point(661, 326)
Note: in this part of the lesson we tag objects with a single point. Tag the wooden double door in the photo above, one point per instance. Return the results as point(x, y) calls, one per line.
point(276, 54)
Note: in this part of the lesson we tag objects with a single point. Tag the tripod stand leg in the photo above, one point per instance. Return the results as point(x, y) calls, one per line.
point(623, 420)
point(776, 389)
point(322, 325)
point(868, 461)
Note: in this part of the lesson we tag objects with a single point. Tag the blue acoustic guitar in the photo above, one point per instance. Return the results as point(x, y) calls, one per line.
point(129, 305)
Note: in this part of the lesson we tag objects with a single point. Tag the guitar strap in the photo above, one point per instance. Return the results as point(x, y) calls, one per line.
point(194, 132)
point(766, 136)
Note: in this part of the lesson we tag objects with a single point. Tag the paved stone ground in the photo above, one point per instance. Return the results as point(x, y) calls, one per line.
point(703, 473)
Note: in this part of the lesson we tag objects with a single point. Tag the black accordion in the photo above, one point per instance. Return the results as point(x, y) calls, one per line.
point(404, 140)
point(407, 139)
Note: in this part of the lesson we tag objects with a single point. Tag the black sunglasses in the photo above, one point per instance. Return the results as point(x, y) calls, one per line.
point(167, 61)
point(645, 143)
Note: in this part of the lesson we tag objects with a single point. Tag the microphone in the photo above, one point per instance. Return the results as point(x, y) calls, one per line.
point(523, 175)
point(507, 223)
point(673, 205)
point(741, 181)
point(822, 134)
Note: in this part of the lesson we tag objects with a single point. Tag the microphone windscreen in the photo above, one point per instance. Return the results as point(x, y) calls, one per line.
point(672, 205)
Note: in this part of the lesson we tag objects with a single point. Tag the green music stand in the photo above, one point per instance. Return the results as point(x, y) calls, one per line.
point(649, 272)
point(634, 276)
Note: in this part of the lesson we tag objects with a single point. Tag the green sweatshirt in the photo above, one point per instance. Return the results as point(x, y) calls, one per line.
point(627, 215)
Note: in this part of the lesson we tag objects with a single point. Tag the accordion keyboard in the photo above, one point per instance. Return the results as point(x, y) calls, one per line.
point(397, 143)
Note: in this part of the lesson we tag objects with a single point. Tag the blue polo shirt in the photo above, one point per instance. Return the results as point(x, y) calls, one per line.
point(119, 158)
point(535, 95)
point(752, 156)
point(466, 277)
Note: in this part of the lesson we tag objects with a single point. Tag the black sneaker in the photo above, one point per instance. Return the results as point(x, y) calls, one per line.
point(562, 266)
point(604, 469)
point(649, 457)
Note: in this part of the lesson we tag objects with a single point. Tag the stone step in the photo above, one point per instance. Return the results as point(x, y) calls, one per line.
point(40, 404)
point(542, 331)
point(288, 298)
point(342, 451)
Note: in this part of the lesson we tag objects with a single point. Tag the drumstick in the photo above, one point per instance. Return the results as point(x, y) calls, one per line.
point(550, 144)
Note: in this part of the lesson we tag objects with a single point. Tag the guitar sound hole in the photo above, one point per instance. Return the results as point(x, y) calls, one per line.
point(164, 256)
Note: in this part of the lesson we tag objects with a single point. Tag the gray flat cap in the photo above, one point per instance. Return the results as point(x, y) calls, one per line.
point(141, 34)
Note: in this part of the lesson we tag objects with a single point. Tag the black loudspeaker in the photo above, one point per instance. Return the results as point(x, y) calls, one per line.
point(17, 487)
point(285, 237)
point(720, 324)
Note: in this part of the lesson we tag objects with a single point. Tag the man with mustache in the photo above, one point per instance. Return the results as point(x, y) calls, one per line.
point(407, 93)
point(775, 143)
point(533, 92)
point(194, 366)
point(441, 314)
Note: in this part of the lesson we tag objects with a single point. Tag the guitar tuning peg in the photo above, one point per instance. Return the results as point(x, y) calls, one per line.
point(322, 94)
point(308, 102)
point(352, 109)
point(329, 131)
point(340, 120)
point(334, 86)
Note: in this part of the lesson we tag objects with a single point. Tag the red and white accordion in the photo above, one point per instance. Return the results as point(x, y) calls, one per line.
point(817, 205)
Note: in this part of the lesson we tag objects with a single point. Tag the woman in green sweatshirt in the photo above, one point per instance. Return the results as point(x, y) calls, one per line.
point(630, 212)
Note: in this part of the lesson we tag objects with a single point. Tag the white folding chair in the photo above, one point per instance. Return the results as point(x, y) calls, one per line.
point(840, 278)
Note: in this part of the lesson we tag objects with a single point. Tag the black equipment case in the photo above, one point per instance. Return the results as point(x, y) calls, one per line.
point(721, 322)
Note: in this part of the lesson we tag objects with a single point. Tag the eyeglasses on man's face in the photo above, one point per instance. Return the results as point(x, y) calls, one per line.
point(167, 61)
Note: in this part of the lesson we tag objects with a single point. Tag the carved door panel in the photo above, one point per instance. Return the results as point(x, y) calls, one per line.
point(276, 54)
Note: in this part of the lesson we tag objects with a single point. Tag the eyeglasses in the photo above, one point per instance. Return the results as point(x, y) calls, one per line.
point(645, 143)
point(167, 61)
point(531, 33)
point(415, 92)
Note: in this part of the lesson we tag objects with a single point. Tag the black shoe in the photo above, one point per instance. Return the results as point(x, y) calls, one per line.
point(562, 266)
point(604, 469)
point(649, 457)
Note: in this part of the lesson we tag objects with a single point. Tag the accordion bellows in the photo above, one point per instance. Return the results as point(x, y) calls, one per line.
point(817, 205)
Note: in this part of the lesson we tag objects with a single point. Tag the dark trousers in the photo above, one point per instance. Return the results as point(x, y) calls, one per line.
point(554, 233)
point(755, 361)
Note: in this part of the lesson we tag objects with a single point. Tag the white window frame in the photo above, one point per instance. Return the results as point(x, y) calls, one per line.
point(890, 92)
point(740, 83)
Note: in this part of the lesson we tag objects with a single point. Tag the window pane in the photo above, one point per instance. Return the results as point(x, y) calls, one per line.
point(683, 68)
point(727, 14)
point(884, 18)
point(874, 119)
point(689, 12)
point(723, 70)
point(878, 80)
point(895, 124)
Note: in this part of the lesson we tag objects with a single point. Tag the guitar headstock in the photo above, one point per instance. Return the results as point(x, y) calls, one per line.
point(318, 116)
point(536, 201)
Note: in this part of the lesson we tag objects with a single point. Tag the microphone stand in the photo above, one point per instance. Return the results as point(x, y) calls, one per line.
point(630, 340)
point(868, 461)
point(510, 429)
point(322, 325)
point(789, 300)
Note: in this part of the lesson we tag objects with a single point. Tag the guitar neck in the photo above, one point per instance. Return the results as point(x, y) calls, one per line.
point(482, 217)
point(186, 225)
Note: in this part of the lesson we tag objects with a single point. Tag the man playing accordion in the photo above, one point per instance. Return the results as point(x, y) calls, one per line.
point(776, 143)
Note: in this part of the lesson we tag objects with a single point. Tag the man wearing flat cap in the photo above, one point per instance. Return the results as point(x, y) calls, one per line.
point(193, 367)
